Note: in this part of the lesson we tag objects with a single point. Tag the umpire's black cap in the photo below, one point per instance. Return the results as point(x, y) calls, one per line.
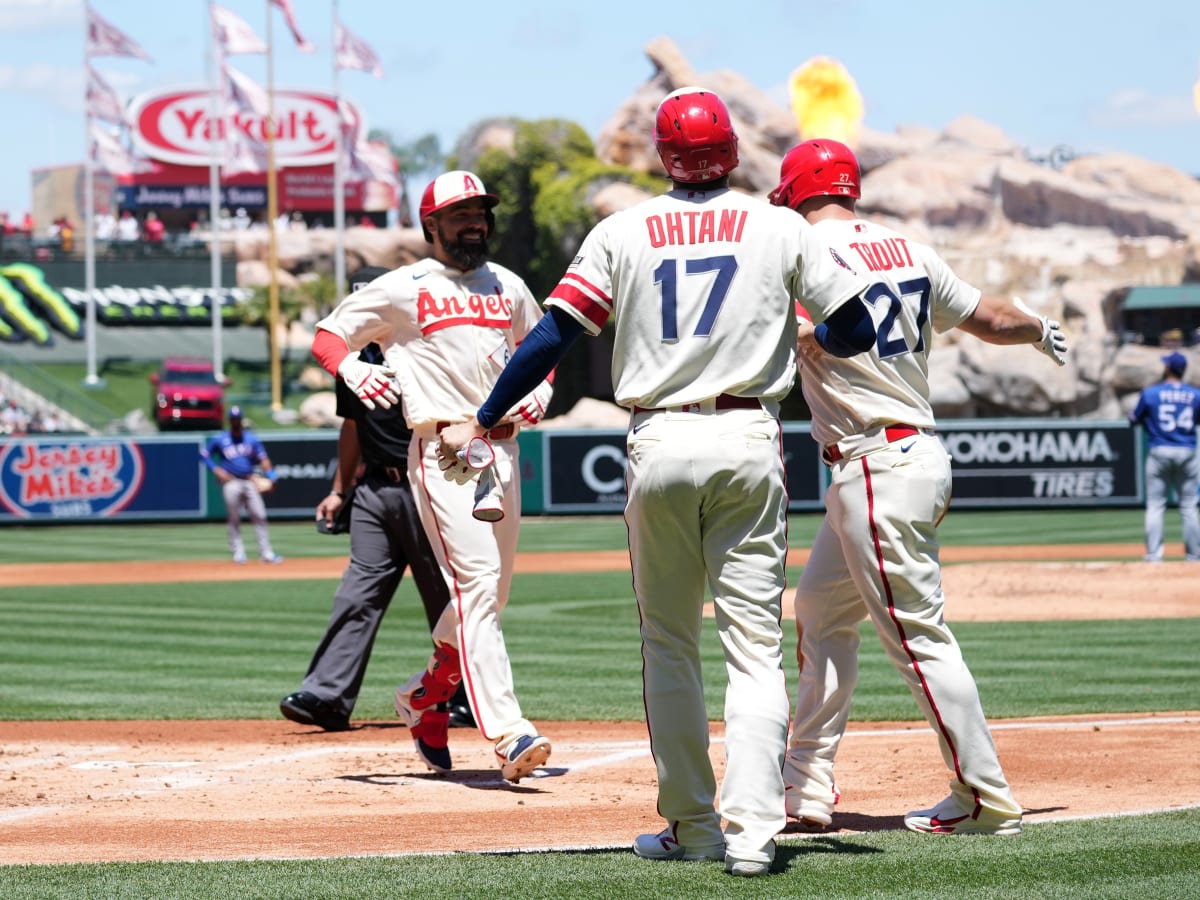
point(360, 278)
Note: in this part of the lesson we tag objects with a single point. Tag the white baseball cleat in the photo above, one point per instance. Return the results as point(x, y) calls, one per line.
point(524, 755)
point(948, 818)
point(750, 865)
point(664, 846)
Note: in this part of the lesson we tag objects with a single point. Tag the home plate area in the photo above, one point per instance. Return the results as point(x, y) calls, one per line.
point(126, 791)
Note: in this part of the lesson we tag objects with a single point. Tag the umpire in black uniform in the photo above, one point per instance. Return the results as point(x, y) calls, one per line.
point(385, 538)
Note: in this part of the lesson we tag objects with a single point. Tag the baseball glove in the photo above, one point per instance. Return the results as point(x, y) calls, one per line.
point(262, 483)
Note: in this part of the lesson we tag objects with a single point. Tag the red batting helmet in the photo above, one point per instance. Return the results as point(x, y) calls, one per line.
point(817, 168)
point(450, 188)
point(694, 136)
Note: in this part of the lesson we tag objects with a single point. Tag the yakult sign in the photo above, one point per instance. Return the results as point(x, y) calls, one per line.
point(176, 125)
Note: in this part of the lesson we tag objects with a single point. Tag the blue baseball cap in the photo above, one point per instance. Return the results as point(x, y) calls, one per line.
point(1175, 362)
point(235, 412)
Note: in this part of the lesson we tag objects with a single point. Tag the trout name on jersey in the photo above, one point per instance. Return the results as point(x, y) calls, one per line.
point(883, 255)
point(484, 310)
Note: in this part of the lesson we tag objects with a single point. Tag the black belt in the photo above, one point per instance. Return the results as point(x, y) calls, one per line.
point(390, 473)
point(499, 433)
point(892, 433)
point(722, 401)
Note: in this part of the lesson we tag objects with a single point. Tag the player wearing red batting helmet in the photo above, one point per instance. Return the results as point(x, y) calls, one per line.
point(818, 168)
point(694, 136)
point(890, 484)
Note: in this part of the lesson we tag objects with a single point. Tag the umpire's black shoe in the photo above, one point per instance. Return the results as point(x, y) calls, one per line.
point(309, 709)
point(460, 716)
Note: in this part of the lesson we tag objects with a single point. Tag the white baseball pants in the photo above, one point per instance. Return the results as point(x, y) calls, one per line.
point(876, 554)
point(707, 507)
point(477, 560)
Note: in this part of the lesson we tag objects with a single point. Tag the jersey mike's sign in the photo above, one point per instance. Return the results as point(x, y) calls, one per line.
point(177, 125)
point(69, 479)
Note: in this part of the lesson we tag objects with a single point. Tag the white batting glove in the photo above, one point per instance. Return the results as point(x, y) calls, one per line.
point(1053, 342)
point(530, 410)
point(489, 497)
point(467, 462)
point(374, 385)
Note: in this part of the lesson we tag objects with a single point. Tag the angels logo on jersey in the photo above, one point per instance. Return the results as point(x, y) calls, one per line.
point(841, 262)
point(484, 310)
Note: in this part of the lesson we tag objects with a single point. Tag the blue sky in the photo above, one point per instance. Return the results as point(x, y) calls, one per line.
point(1096, 76)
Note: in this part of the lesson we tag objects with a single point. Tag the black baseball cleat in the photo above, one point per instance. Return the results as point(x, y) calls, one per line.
point(309, 709)
point(461, 716)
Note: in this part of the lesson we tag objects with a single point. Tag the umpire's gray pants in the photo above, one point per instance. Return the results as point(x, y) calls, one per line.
point(1167, 469)
point(386, 537)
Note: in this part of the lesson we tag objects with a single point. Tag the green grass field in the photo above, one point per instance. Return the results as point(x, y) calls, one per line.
point(231, 649)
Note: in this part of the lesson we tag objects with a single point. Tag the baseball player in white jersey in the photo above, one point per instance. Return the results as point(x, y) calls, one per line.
point(701, 283)
point(447, 325)
point(876, 552)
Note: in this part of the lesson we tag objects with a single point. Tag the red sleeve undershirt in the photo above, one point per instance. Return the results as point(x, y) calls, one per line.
point(330, 350)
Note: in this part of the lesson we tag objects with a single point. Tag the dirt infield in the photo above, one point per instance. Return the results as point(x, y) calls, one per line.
point(116, 791)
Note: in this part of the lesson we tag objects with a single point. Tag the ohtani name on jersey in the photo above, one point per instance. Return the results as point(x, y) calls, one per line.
point(485, 310)
point(883, 255)
point(699, 227)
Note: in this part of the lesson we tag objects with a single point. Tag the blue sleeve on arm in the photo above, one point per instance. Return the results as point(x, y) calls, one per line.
point(208, 454)
point(537, 356)
point(849, 331)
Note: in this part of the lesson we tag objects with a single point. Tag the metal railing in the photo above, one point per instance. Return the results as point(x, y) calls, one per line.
point(77, 409)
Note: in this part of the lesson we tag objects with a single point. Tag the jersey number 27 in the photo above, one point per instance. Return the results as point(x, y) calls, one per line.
point(885, 343)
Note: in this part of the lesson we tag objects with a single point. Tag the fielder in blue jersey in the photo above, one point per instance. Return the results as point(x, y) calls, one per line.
point(1168, 411)
point(234, 456)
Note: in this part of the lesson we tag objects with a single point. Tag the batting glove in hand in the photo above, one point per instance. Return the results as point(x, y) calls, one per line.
point(372, 384)
point(530, 410)
point(1053, 342)
point(467, 462)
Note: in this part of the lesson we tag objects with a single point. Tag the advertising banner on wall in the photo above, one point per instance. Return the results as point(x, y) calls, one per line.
point(997, 464)
point(304, 466)
point(64, 479)
point(1004, 463)
point(585, 470)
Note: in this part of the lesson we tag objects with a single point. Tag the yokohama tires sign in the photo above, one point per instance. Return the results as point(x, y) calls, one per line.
point(176, 125)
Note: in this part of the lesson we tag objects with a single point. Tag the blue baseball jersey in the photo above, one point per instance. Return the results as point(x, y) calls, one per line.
point(238, 457)
point(1168, 412)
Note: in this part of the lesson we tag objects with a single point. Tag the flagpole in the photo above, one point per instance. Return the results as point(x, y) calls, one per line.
point(91, 379)
point(339, 175)
point(272, 215)
point(216, 126)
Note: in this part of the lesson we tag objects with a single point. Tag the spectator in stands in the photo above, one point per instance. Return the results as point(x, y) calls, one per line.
point(66, 235)
point(127, 226)
point(13, 419)
point(226, 223)
point(154, 228)
point(241, 219)
point(27, 223)
point(106, 225)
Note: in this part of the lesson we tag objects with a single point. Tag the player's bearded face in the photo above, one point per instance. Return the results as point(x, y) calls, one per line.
point(463, 233)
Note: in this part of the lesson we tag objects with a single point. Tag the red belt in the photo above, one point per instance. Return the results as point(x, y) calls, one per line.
point(892, 433)
point(723, 401)
point(499, 433)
